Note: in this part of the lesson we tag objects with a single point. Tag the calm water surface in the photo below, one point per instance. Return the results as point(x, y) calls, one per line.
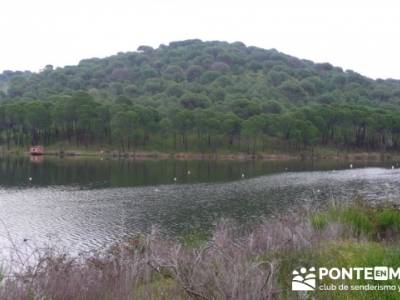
point(87, 203)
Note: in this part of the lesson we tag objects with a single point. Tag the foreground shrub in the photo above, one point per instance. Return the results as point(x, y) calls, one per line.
point(254, 265)
point(358, 220)
point(319, 221)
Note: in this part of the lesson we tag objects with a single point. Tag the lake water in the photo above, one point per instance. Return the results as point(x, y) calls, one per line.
point(88, 203)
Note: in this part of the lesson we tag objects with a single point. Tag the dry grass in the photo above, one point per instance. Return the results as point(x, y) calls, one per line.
point(227, 266)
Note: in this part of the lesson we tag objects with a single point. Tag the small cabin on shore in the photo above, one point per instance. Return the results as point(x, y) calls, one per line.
point(36, 150)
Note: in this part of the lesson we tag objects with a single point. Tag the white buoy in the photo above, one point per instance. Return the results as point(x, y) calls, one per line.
point(175, 179)
point(286, 169)
point(242, 175)
point(392, 167)
point(30, 178)
point(351, 166)
point(188, 172)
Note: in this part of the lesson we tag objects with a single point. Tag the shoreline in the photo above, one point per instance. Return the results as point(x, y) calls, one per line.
point(155, 155)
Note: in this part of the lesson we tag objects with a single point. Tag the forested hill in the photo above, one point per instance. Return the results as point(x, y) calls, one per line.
point(199, 96)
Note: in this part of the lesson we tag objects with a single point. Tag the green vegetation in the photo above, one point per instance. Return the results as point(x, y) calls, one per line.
point(363, 220)
point(365, 236)
point(200, 97)
point(226, 265)
point(345, 254)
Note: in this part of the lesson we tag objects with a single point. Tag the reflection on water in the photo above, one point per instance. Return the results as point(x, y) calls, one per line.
point(83, 203)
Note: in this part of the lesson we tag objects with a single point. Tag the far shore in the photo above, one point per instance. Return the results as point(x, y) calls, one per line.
point(155, 155)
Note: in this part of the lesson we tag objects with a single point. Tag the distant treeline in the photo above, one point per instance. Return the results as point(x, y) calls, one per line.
point(199, 96)
point(82, 121)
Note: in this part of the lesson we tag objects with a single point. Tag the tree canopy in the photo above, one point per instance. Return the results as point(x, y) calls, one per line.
point(195, 95)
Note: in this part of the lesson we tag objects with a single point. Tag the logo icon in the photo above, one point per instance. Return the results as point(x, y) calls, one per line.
point(304, 280)
point(381, 273)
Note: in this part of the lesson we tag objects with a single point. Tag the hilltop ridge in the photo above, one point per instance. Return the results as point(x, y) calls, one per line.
point(200, 96)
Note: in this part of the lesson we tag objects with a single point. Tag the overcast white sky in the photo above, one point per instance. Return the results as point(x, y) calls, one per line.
point(358, 35)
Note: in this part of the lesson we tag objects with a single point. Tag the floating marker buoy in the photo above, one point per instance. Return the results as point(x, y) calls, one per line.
point(30, 178)
point(242, 175)
point(392, 167)
point(188, 172)
point(351, 166)
point(175, 179)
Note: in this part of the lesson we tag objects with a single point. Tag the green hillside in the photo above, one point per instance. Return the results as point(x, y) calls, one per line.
point(200, 96)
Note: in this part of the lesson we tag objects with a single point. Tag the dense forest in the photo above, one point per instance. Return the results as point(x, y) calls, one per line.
point(199, 96)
